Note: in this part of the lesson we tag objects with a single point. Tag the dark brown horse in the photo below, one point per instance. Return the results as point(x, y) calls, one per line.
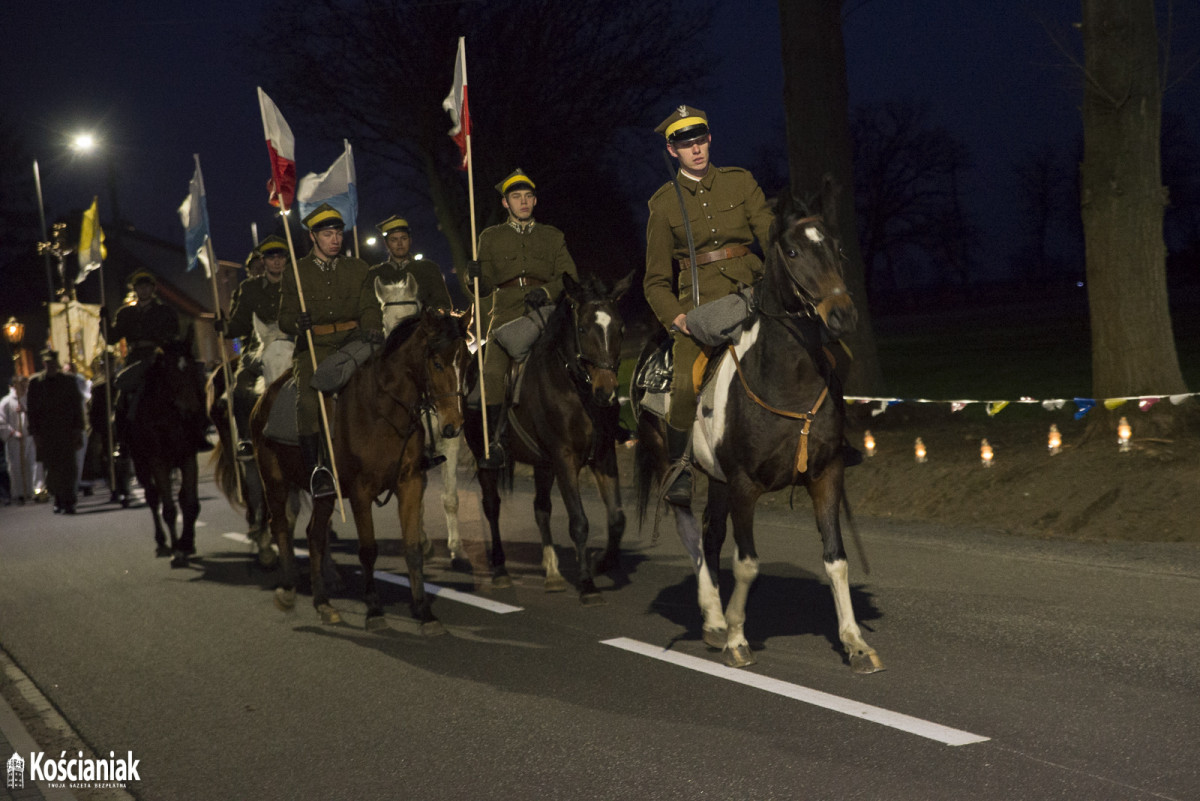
point(172, 400)
point(771, 416)
point(566, 418)
point(378, 442)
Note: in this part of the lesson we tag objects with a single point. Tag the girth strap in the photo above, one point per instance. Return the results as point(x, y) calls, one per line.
point(807, 417)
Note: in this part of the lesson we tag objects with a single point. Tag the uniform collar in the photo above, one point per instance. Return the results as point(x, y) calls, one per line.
point(693, 184)
point(521, 228)
point(324, 266)
point(401, 263)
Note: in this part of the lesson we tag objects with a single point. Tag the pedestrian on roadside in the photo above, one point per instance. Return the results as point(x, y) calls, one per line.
point(56, 423)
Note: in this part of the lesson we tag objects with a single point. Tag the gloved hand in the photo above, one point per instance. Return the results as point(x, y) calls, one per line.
point(303, 321)
point(537, 298)
point(219, 324)
point(372, 336)
point(473, 270)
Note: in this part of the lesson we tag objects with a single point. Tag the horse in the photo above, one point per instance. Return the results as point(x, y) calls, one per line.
point(566, 417)
point(273, 353)
point(378, 442)
point(399, 302)
point(171, 401)
point(771, 416)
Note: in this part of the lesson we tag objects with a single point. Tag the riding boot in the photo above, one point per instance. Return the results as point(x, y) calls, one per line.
point(680, 491)
point(321, 480)
point(495, 458)
point(243, 405)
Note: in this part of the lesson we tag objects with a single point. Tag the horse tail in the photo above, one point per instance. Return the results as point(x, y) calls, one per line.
point(222, 458)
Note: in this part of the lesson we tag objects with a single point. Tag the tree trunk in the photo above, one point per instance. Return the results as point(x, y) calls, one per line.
point(1122, 201)
point(816, 107)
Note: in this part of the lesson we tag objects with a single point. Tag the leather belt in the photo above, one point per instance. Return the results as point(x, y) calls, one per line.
point(731, 252)
point(333, 328)
point(521, 280)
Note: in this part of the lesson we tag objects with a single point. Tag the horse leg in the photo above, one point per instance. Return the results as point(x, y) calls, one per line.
point(152, 502)
point(189, 507)
point(170, 513)
point(543, 482)
point(449, 449)
point(368, 552)
point(609, 485)
point(277, 497)
point(489, 492)
point(745, 571)
point(256, 514)
point(716, 512)
point(318, 546)
point(567, 474)
point(410, 493)
point(826, 493)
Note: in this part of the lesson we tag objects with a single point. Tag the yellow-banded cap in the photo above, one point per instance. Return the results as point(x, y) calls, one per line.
point(142, 276)
point(254, 254)
point(272, 244)
point(393, 223)
point(324, 216)
point(517, 180)
point(684, 123)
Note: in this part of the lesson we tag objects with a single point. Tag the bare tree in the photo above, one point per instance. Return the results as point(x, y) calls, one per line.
point(550, 87)
point(1122, 201)
point(907, 191)
point(816, 107)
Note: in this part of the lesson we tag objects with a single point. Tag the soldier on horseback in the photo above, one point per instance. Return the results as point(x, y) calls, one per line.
point(726, 211)
point(258, 295)
point(341, 306)
point(521, 264)
point(146, 326)
point(432, 292)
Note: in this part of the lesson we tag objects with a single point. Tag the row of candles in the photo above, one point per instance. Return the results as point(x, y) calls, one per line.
point(987, 455)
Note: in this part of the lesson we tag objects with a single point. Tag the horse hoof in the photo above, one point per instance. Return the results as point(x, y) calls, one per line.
point(866, 663)
point(376, 623)
point(285, 600)
point(556, 584)
point(739, 656)
point(502, 582)
point(179, 560)
point(162, 551)
point(432, 628)
point(591, 599)
point(267, 559)
point(427, 548)
point(329, 615)
point(460, 564)
point(715, 639)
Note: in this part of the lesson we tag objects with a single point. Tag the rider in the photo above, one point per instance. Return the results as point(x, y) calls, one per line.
point(146, 325)
point(258, 295)
point(341, 306)
point(727, 211)
point(521, 263)
point(431, 284)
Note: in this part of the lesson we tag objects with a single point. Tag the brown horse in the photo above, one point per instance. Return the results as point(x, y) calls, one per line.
point(378, 442)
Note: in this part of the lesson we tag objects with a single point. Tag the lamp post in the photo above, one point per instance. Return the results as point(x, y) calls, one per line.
point(37, 180)
point(81, 143)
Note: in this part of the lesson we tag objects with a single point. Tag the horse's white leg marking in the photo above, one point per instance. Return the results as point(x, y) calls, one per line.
point(745, 571)
point(848, 630)
point(550, 563)
point(710, 600)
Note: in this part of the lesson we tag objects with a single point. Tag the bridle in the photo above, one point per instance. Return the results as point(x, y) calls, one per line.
point(575, 362)
point(813, 305)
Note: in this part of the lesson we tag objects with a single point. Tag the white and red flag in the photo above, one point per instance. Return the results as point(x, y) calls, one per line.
point(456, 102)
point(281, 146)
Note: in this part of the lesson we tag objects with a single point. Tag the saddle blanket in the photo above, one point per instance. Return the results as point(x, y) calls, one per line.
point(281, 425)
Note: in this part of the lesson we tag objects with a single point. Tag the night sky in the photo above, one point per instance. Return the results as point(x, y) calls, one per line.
point(157, 82)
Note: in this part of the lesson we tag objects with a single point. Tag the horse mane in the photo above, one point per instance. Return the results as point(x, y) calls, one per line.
point(591, 289)
point(399, 335)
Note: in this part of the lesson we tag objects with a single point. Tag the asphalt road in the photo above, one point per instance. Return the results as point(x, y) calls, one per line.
point(1064, 668)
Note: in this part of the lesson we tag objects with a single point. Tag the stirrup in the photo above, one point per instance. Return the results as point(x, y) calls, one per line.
point(321, 483)
point(495, 460)
point(680, 491)
point(245, 450)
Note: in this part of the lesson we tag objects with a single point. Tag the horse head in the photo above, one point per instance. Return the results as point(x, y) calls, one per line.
point(274, 349)
point(446, 358)
point(399, 301)
point(804, 262)
point(174, 381)
point(597, 332)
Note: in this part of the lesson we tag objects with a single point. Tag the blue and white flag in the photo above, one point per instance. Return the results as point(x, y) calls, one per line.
point(193, 213)
point(335, 186)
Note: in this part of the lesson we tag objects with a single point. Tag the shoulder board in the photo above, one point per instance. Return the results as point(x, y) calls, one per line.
point(669, 186)
point(732, 170)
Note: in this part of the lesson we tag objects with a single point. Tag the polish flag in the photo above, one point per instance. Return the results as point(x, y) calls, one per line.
point(281, 146)
point(456, 102)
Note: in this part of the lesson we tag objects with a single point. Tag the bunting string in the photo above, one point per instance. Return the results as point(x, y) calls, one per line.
point(994, 407)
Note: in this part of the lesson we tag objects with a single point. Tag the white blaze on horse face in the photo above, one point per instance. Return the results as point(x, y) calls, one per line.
point(604, 320)
point(704, 447)
point(814, 234)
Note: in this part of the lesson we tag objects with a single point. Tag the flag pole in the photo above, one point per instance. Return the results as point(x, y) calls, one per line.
point(212, 274)
point(110, 446)
point(337, 484)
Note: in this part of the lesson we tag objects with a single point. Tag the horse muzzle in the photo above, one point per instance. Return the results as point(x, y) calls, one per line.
point(450, 431)
point(604, 387)
point(839, 314)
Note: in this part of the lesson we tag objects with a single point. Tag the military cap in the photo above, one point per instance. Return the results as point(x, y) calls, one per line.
point(272, 244)
point(49, 356)
point(254, 254)
point(142, 276)
point(322, 217)
point(518, 180)
point(393, 223)
point(684, 124)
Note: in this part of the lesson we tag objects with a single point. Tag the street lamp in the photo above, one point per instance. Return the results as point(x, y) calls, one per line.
point(14, 332)
point(83, 142)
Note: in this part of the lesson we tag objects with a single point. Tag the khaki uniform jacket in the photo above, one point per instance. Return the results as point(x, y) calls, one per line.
point(144, 326)
point(341, 293)
point(505, 253)
point(254, 296)
point(726, 207)
point(431, 285)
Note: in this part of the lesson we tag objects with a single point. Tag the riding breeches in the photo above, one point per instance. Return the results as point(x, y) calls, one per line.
point(683, 392)
point(496, 363)
point(308, 411)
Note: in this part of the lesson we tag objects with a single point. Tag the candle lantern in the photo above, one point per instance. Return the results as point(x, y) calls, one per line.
point(986, 454)
point(1054, 442)
point(919, 451)
point(869, 443)
point(1124, 432)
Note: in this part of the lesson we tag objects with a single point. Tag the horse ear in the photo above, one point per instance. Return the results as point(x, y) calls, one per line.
point(622, 286)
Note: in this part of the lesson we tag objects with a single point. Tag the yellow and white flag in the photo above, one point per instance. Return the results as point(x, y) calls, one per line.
point(91, 242)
